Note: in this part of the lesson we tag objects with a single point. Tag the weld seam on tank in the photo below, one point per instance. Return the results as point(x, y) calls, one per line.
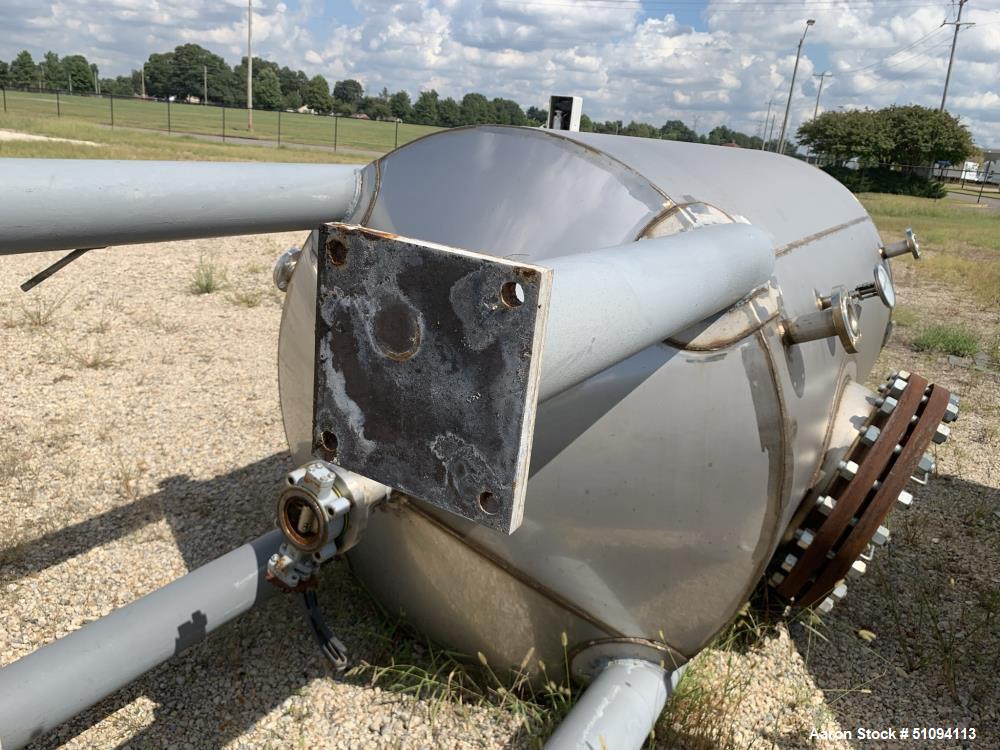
point(809, 239)
point(539, 588)
point(376, 188)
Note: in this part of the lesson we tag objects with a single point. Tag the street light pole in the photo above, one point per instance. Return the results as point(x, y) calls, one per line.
point(791, 91)
point(767, 119)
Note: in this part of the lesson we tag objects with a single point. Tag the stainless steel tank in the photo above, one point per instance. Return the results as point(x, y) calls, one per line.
point(660, 488)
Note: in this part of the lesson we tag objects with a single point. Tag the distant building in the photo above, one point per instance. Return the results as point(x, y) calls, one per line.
point(360, 116)
point(990, 169)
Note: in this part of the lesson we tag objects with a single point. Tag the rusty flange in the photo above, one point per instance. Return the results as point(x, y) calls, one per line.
point(873, 476)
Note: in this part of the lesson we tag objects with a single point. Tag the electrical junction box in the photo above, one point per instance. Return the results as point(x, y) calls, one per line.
point(564, 112)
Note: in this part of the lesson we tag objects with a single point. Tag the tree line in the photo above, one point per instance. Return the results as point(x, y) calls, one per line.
point(908, 135)
point(191, 71)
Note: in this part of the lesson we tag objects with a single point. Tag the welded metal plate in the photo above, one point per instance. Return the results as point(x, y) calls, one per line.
point(427, 369)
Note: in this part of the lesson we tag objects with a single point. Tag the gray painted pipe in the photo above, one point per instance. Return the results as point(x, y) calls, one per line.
point(51, 685)
point(618, 710)
point(610, 304)
point(63, 204)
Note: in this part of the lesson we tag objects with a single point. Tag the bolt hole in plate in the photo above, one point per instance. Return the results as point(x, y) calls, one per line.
point(427, 367)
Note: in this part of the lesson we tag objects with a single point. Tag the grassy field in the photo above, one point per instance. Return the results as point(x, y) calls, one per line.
point(104, 143)
point(297, 128)
point(961, 240)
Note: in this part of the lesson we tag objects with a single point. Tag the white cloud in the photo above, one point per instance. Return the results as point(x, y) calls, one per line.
point(625, 65)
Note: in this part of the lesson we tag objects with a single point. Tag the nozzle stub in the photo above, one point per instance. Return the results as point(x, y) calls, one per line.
point(904, 246)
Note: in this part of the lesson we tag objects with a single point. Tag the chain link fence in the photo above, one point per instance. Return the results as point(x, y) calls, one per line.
point(215, 121)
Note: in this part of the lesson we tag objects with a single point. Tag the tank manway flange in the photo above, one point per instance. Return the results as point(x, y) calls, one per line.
point(837, 536)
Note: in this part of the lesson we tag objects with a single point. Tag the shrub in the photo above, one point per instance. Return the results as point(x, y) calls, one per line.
point(885, 180)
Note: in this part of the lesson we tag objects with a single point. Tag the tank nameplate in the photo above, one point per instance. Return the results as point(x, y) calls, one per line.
point(427, 369)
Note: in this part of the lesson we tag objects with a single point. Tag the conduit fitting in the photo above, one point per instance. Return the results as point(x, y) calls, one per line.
point(839, 316)
point(908, 245)
point(321, 513)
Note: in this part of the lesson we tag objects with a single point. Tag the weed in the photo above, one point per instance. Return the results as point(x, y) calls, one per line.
point(40, 311)
point(904, 317)
point(992, 349)
point(164, 326)
point(208, 277)
point(97, 358)
point(418, 667)
point(947, 339)
point(247, 297)
point(127, 476)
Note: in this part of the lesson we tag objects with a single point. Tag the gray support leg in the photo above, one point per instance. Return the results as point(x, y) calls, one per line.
point(619, 708)
point(45, 688)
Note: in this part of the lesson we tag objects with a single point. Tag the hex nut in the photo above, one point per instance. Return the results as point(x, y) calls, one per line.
point(825, 504)
point(825, 606)
point(953, 399)
point(847, 469)
point(942, 433)
point(789, 562)
point(926, 464)
point(858, 569)
point(903, 374)
point(839, 592)
point(905, 500)
point(897, 387)
point(951, 412)
point(888, 405)
point(804, 537)
point(869, 436)
point(881, 536)
point(776, 578)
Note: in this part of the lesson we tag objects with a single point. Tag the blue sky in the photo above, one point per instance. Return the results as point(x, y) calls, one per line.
point(707, 62)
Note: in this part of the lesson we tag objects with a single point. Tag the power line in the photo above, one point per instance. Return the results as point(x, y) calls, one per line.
point(760, 8)
point(877, 63)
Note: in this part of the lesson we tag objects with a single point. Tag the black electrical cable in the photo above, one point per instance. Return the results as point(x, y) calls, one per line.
point(334, 651)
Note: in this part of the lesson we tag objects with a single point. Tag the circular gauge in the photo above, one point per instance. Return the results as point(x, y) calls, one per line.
point(883, 285)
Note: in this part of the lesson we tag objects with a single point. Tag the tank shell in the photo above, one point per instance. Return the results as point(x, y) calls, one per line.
point(660, 487)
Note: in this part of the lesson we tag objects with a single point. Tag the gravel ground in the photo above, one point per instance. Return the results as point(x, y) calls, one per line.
point(142, 438)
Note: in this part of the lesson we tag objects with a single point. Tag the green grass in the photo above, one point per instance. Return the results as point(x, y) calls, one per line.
point(207, 278)
point(904, 317)
point(296, 128)
point(961, 242)
point(939, 224)
point(947, 339)
point(137, 144)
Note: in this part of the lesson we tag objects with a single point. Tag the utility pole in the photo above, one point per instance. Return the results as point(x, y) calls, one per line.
point(822, 77)
point(204, 84)
point(791, 91)
point(957, 23)
point(767, 118)
point(249, 64)
point(144, 80)
point(770, 136)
